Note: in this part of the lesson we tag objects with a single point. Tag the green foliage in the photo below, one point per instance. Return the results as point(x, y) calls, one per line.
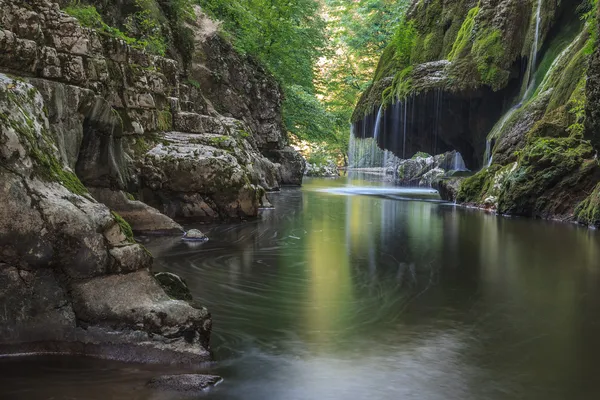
point(125, 227)
point(150, 39)
point(145, 25)
point(305, 117)
point(403, 42)
point(590, 15)
point(420, 154)
point(464, 34)
point(287, 36)
point(577, 105)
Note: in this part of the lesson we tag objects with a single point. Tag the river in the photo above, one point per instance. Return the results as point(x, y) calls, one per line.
point(349, 289)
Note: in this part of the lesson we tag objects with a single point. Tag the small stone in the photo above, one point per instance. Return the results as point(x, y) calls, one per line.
point(195, 235)
point(184, 383)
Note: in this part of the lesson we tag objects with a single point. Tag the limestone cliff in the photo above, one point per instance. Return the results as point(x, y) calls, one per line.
point(504, 82)
point(93, 129)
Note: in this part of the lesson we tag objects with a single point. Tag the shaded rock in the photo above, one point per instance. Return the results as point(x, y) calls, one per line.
point(174, 286)
point(291, 165)
point(423, 170)
point(184, 382)
point(447, 188)
point(69, 273)
point(142, 218)
point(137, 302)
point(198, 176)
point(129, 259)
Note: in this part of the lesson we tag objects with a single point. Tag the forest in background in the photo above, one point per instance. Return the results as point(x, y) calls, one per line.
point(322, 52)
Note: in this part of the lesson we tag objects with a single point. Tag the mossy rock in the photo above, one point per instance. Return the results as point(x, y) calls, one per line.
point(588, 211)
point(125, 227)
point(551, 173)
point(174, 286)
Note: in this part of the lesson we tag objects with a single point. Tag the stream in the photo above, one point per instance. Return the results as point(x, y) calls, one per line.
point(350, 289)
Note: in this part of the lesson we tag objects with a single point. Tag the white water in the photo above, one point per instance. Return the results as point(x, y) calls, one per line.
point(530, 84)
point(459, 163)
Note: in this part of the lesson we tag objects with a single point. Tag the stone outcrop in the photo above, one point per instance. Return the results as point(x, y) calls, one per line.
point(94, 133)
point(423, 170)
point(69, 270)
point(121, 113)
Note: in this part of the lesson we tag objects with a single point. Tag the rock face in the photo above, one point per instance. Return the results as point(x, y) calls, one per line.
point(95, 133)
point(69, 273)
point(470, 84)
point(127, 120)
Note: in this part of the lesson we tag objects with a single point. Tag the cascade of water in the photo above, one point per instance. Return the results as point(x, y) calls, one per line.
point(377, 129)
point(404, 134)
point(459, 163)
point(529, 85)
point(351, 147)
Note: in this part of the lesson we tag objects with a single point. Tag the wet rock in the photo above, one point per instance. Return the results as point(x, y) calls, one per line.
point(195, 235)
point(142, 218)
point(184, 383)
point(423, 170)
point(174, 286)
point(291, 165)
point(447, 188)
point(67, 263)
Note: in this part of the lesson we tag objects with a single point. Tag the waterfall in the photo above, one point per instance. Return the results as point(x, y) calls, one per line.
point(459, 162)
point(404, 135)
point(529, 83)
point(377, 123)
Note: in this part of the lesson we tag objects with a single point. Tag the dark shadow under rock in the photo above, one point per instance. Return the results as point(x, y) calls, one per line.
point(184, 383)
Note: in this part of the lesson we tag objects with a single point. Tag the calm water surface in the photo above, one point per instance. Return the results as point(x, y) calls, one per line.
point(362, 293)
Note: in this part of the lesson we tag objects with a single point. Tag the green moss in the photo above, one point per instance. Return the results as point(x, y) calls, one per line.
point(40, 144)
point(464, 34)
point(543, 164)
point(165, 120)
point(588, 211)
point(420, 154)
point(401, 87)
point(488, 52)
point(142, 23)
point(194, 83)
point(474, 189)
point(125, 227)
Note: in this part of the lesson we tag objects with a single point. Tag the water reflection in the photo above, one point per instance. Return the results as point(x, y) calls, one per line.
point(359, 296)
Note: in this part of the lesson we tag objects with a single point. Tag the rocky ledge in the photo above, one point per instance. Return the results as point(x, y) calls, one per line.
point(100, 140)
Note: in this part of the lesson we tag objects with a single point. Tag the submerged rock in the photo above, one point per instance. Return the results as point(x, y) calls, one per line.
point(174, 286)
point(195, 235)
point(184, 382)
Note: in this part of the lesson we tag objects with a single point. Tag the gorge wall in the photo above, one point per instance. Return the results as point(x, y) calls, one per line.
point(511, 85)
point(94, 130)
